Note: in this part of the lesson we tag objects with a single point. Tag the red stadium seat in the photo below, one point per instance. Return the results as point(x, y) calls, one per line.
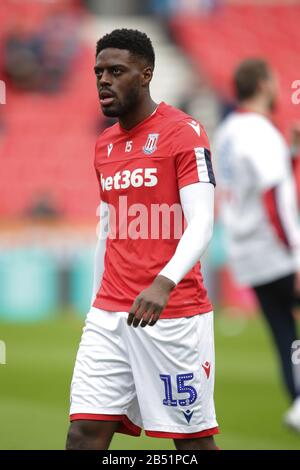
point(48, 145)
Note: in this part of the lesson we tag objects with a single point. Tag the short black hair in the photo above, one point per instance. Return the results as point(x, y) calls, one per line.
point(247, 76)
point(132, 40)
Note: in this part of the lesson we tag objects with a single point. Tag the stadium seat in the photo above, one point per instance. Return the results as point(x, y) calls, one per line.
point(218, 42)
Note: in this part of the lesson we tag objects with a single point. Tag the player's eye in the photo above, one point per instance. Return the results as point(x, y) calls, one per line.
point(116, 72)
point(98, 73)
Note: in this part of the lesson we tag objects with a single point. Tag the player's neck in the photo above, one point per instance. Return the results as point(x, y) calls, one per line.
point(142, 111)
point(255, 106)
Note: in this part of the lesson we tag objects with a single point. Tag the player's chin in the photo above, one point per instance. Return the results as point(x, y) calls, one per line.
point(110, 110)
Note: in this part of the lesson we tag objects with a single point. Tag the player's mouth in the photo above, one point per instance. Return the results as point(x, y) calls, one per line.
point(106, 98)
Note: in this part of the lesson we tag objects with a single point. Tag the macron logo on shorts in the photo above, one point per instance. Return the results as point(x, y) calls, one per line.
point(206, 367)
point(188, 415)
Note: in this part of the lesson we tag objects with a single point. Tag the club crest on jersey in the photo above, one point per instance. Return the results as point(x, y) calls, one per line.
point(151, 144)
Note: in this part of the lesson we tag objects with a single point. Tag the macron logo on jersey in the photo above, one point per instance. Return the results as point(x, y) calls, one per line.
point(196, 126)
point(109, 149)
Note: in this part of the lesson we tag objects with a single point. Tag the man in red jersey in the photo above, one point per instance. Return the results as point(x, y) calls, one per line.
point(146, 357)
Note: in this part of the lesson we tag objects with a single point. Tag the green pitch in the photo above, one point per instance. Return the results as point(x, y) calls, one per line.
point(34, 388)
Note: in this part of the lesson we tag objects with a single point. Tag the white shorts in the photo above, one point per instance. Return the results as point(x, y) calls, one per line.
point(159, 378)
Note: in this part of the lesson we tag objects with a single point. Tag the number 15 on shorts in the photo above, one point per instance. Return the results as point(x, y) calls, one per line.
point(182, 388)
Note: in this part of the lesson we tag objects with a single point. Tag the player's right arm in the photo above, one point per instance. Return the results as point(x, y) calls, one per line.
point(102, 233)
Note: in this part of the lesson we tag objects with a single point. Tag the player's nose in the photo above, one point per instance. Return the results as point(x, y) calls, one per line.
point(105, 79)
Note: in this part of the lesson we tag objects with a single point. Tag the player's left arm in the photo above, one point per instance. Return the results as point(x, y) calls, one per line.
point(197, 201)
point(196, 189)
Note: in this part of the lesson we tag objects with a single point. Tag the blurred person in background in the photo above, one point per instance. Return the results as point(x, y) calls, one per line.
point(258, 206)
point(39, 54)
point(169, 7)
point(43, 207)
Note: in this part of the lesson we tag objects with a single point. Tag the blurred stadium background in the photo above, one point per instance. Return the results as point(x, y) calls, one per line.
point(49, 120)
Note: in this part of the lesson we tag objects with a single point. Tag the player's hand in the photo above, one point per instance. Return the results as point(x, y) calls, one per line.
point(149, 304)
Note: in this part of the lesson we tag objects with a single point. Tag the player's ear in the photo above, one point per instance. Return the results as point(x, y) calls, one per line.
point(147, 75)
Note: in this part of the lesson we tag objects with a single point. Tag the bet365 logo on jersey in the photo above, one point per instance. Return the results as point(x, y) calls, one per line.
point(126, 178)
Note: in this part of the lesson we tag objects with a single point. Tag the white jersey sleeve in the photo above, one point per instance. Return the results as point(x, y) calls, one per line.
point(268, 155)
point(100, 247)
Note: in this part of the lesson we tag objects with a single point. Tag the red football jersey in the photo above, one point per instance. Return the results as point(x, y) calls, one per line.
point(140, 173)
